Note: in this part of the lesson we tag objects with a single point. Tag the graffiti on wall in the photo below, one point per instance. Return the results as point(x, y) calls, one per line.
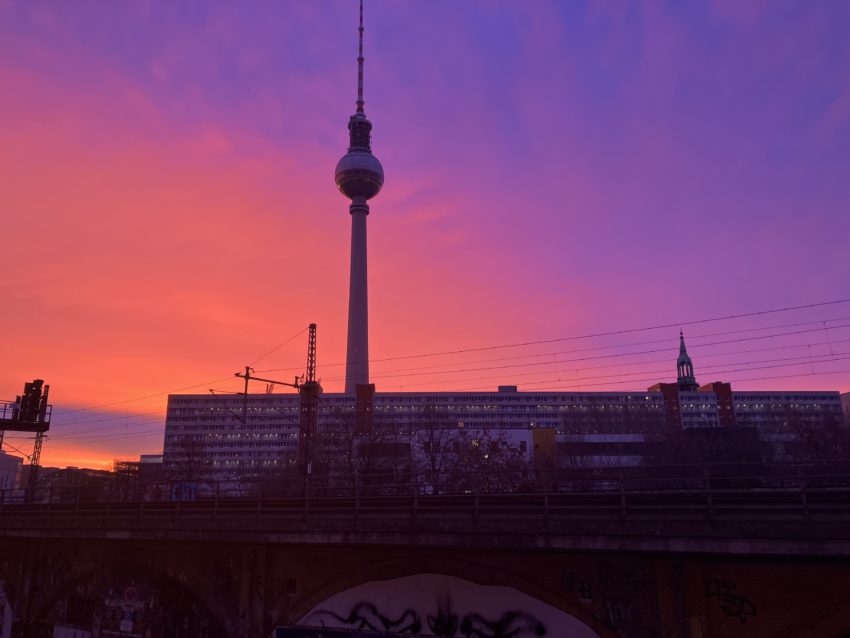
point(731, 604)
point(626, 603)
point(365, 615)
point(444, 623)
point(444, 606)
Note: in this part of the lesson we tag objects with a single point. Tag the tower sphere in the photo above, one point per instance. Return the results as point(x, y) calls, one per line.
point(359, 174)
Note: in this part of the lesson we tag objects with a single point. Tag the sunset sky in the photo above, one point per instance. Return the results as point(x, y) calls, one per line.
point(553, 169)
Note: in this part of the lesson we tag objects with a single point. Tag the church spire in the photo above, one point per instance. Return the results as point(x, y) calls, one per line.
point(685, 367)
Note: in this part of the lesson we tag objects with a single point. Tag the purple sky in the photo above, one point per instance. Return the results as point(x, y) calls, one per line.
point(553, 169)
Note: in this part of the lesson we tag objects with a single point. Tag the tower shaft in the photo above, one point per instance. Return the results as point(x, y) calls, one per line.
point(357, 359)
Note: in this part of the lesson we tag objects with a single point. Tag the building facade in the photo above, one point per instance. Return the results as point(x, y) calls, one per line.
point(203, 437)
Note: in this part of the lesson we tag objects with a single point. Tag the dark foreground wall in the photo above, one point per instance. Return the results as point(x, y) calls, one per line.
point(192, 588)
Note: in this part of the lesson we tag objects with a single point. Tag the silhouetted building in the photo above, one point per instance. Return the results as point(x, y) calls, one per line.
point(590, 429)
point(10, 471)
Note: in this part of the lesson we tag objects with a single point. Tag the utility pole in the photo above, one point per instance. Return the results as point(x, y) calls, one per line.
point(309, 416)
point(309, 390)
point(248, 377)
point(248, 371)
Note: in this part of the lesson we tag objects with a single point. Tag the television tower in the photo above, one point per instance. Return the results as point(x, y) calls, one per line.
point(359, 176)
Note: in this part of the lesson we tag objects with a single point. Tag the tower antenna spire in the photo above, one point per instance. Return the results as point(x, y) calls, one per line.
point(360, 64)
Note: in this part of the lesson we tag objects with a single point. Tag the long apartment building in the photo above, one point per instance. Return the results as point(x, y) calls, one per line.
point(227, 437)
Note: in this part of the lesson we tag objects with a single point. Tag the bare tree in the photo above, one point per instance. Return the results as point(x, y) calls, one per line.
point(486, 461)
point(190, 466)
point(373, 461)
point(433, 449)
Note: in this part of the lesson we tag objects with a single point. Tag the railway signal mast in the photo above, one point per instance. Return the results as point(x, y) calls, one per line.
point(30, 412)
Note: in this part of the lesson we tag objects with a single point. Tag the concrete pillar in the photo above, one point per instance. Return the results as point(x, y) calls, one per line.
point(694, 588)
point(357, 359)
point(6, 611)
point(252, 593)
point(669, 582)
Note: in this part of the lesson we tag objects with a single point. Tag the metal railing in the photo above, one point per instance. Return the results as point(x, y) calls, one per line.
point(772, 513)
point(10, 411)
point(543, 501)
point(390, 483)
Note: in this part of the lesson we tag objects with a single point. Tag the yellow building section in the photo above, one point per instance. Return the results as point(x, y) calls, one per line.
point(544, 447)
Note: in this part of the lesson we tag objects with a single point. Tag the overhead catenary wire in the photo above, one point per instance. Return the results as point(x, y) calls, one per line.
point(9, 445)
point(605, 356)
point(562, 361)
point(133, 400)
point(691, 340)
point(675, 324)
point(555, 388)
point(618, 355)
point(799, 361)
point(485, 348)
point(586, 382)
point(549, 363)
point(279, 346)
point(60, 413)
point(560, 388)
point(114, 437)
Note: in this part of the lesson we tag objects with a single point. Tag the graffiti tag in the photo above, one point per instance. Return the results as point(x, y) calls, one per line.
point(445, 623)
point(731, 604)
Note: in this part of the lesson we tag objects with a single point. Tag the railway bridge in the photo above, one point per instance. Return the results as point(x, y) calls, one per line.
point(668, 563)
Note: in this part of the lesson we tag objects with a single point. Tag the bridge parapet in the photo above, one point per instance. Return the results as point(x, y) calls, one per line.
point(805, 522)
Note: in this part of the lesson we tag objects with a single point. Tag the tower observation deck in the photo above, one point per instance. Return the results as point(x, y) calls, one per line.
point(359, 176)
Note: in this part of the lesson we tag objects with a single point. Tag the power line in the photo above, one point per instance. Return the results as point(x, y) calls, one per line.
point(800, 361)
point(67, 435)
point(691, 339)
point(559, 388)
point(676, 324)
point(98, 430)
point(599, 380)
point(125, 417)
point(149, 396)
point(27, 456)
point(486, 348)
point(558, 362)
point(278, 347)
point(591, 358)
point(655, 379)
point(112, 437)
point(63, 413)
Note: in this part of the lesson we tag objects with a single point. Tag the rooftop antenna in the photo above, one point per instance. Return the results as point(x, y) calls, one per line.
point(360, 64)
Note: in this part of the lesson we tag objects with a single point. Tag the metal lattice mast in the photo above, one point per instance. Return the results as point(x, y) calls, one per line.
point(311, 355)
point(309, 417)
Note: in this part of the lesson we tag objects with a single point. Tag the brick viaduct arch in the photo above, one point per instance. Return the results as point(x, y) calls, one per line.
point(729, 596)
point(52, 570)
point(147, 573)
